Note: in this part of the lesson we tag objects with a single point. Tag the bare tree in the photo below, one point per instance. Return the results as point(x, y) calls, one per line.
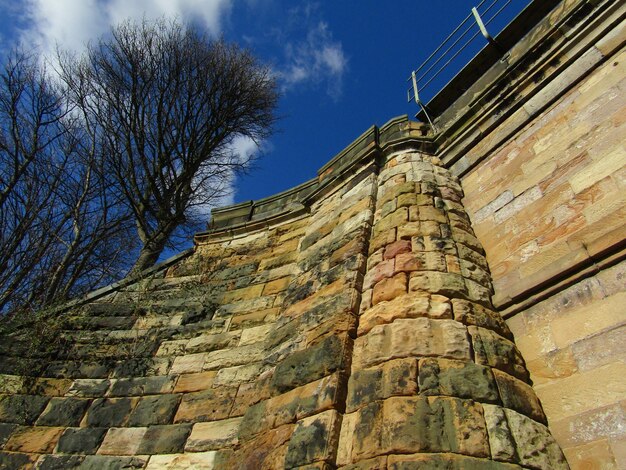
point(169, 102)
point(59, 220)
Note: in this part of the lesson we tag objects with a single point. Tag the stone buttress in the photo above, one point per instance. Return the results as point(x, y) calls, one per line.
point(436, 379)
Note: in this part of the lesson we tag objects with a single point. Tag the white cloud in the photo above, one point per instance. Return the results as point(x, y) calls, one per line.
point(71, 23)
point(316, 59)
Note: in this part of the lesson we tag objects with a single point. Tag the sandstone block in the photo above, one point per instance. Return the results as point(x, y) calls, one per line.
point(208, 405)
point(519, 396)
point(418, 424)
point(457, 379)
point(63, 412)
point(109, 412)
point(389, 288)
point(377, 463)
point(381, 271)
point(314, 439)
point(413, 305)
point(122, 441)
point(535, 446)
point(473, 314)
point(393, 220)
point(89, 388)
point(213, 435)
point(444, 461)
point(195, 382)
point(38, 439)
point(382, 239)
point(448, 284)
point(416, 337)
point(296, 404)
point(21, 409)
point(394, 378)
point(394, 249)
point(196, 460)
point(493, 350)
point(155, 409)
point(81, 440)
point(500, 437)
point(411, 229)
point(310, 364)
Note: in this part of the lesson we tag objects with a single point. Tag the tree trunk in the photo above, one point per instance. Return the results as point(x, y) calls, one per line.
point(148, 256)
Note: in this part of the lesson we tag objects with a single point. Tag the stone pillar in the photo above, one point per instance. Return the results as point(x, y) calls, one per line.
point(436, 379)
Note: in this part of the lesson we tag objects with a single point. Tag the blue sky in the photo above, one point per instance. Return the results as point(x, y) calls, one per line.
point(342, 65)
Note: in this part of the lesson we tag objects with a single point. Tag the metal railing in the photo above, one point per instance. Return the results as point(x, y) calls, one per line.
point(463, 36)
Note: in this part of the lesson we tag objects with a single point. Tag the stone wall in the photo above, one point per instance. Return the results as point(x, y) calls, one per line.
point(548, 204)
point(371, 317)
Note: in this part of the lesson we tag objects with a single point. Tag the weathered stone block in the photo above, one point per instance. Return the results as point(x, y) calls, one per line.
point(445, 462)
point(420, 424)
point(413, 305)
point(208, 405)
point(500, 437)
point(94, 388)
point(156, 409)
point(394, 378)
point(493, 350)
point(122, 441)
point(195, 382)
point(535, 446)
point(449, 284)
point(109, 412)
point(519, 396)
point(310, 364)
point(38, 439)
point(81, 440)
point(141, 386)
point(21, 409)
point(106, 462)
point(314, 439)
point(213, 435)
point(473, 314)
point(64, 412)
point(58, 462)
point(457, 379)
point(416, 337)
point(389, 288)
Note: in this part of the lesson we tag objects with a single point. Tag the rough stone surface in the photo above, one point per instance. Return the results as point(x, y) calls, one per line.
point(354, 322)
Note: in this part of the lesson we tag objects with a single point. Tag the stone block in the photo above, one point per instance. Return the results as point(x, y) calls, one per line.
point(64, 412)
point(81, 440)
point(213, 435)
point(412, 305)
point(122, 441)
point(38, 439)
point(94, 388)
point(14, 460)
point(5, 432)
point(155, 409)
point(58, 462)
point(389, 288)
point(420, 424)
point(298, 403)
point(536, 448)
point(310, 364)
point(519, 396)
point(396, 248)
point(416, 337)
point(109, 412)
point(382, 270)
point(491, 349)
point(445, 461)
point(196, 460)
point(448, 284)
point(500, 437)
point(195, 382)
point(473, 314)
point(141, 386)
point(106, 462)
point(21, 409)
point(393, 378)
point(208, 405)
point(314, 439)
point(457, 379)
